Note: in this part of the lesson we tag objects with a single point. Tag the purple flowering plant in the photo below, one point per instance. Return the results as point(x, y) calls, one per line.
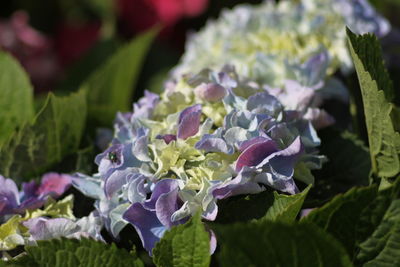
point(209, 136)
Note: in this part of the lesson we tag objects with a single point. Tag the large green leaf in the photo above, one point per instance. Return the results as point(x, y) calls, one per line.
point(110, 88)
point(268, 205)
point(364, 220)
point(383, 247)
point(55, 133)
point(16, 97)
point(276, 244)
point(340, 216)
point(377, 92)
point(75, 253)
point(378, 230)
point(348, 165)
point(185, 245)
point(244, 208)
point(286, 207)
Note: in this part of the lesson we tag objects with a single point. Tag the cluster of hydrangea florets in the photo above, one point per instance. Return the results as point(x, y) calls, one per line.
point(209, 136)
point(24, 222)
point(268, 42)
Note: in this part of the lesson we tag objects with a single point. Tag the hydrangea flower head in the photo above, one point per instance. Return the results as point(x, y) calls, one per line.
point(269, 42)
point(33, 195)
point(33, 214)
point(209, 136)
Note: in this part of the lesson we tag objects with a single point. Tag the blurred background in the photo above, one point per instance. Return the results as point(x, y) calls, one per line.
point(59, 42)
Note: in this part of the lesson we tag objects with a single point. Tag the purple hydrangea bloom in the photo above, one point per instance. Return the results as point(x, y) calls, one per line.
point(33, 195)
point(209, 137)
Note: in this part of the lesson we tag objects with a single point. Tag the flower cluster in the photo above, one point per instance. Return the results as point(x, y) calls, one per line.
point(33, 195)
point(209, 136)
point(24, 220)
point(268, 43)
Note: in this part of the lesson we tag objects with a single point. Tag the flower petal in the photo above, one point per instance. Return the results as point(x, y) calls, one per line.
point(9, 198)
point(54, 184)
point(255, 154)
point(189, 122)
point(146, 223)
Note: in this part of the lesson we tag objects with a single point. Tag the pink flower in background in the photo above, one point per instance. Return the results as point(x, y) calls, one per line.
point(33, 50)
point(140, 15)
point(74, 39)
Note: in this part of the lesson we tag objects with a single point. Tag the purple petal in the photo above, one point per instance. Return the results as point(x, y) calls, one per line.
point(88, 187)
point(315, 68)
point(136, 188)
point(264, 103)
point(162, 187)
point(279, 168)
point(166, 205)
point(189, 110)
point(110, 159)
point(54, 184)
point(146, 223)
point(140, 149)
point(243, 183)
point(296, 96)
point(119, 157)
point(284, 160)
point(115, 182)
point(211, 143)
point(43, 229)
point(189, 122)
point(277, 182)
point(210, 214)
point(9, 198)
point(31, 204)
point(168, 138)
point(255, 154)
point(29, 189)
point(305, 212)
point(245, 144)
point(319, 118)
point(145, 106)
point(213, 241)
point(212, 92)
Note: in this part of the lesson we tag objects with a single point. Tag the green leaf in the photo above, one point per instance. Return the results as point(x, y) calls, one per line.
point(348, 165)
point(303, 173)
point(286, 207)
point(184, 245)
point(244, 208)
point(111, 86)
point(383, 247)
point(340, 216)
point(377, 92)
point(364, 220)
point(16, 97)
point(55, 133)
point(378, 229)
point(276, 244)
point(75, 253)
point(268, 205)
